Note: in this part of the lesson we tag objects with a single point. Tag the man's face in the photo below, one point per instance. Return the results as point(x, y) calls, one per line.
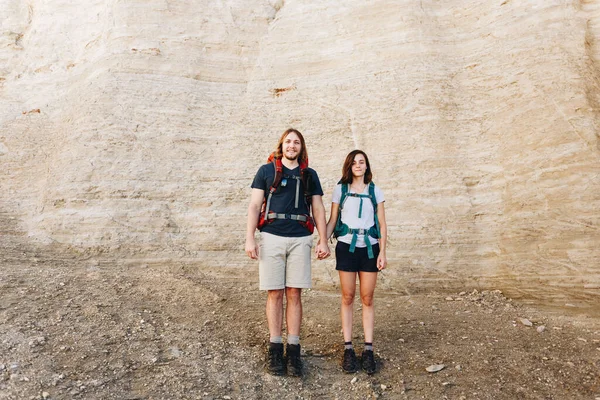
point(291, 146)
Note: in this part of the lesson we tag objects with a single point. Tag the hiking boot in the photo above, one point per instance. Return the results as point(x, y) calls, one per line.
point(349, 361)
point(368, 362)
point(294, 362)
point(275, 364)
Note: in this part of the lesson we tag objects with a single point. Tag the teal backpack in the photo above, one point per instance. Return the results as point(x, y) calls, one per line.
point(342, 229)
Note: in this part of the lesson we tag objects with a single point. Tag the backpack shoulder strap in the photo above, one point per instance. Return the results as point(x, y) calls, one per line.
point(374, 201)
point(278, 166)
point(345, 188)
point(372, 196)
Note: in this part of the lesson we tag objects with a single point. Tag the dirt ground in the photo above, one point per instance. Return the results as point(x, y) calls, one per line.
point(102, 331)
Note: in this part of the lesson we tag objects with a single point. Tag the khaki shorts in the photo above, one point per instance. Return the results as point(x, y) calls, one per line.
point(284, 262)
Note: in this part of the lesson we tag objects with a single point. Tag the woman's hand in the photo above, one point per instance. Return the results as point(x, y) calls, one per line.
point(381, 261)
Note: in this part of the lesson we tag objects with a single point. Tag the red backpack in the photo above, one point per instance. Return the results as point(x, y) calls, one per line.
point(267, 216)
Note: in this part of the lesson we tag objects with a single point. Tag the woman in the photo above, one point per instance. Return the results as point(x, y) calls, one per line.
point(358, 221)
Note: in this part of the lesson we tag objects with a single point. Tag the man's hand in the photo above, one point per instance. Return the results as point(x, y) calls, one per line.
point(252, 248)
point(322, 251)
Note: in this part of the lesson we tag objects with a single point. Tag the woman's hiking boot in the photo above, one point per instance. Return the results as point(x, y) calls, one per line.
point(349, 361)
point(275, 364)
point(368, 362)
point(294, 362)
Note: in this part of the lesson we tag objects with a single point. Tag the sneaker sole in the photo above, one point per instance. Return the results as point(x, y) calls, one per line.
point(275, 372)
point(370, 372)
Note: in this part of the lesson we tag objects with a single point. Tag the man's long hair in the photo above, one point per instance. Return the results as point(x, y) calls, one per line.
point(303, 156)
point(347, 168)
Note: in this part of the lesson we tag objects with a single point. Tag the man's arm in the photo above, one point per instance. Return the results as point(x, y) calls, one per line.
point(322, 250)
point(256, 200)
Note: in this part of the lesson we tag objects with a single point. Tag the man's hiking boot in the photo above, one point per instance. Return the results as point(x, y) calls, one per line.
point(275, 364)
point(349, 361)
point(294, 362)
point(368, 362)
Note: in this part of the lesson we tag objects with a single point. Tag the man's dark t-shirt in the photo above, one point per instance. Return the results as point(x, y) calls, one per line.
point(283, 199)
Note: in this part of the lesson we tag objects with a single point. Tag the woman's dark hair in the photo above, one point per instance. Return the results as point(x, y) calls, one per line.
point(347, 168)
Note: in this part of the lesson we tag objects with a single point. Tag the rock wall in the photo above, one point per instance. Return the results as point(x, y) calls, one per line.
point(131, 130)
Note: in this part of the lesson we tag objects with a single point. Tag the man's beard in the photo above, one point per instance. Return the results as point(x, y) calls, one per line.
point(294, 158)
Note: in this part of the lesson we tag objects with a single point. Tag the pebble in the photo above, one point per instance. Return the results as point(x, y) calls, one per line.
point(45, 395)
point(354, 380)
point(383, 387)
point(449, 298)
point(541, 328)
point(435, 368)
point(526, 322)
point(175, 352)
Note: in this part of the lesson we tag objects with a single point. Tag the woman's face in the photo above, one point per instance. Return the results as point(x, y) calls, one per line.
point(359, 166)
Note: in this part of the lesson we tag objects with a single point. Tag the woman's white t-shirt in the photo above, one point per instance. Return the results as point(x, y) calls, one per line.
point(350, 213)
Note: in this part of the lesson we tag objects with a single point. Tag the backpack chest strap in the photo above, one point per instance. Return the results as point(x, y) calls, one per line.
point(361, 196)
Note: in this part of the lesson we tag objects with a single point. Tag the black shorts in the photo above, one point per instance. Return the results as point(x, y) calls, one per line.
point(358, 261)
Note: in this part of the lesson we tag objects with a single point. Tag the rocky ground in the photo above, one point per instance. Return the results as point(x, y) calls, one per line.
point(73, 330)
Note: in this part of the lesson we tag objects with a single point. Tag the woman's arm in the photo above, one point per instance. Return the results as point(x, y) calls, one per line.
point(333, 216)
point(382, 258)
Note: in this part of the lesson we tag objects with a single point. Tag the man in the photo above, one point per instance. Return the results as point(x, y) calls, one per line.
point(286, 242)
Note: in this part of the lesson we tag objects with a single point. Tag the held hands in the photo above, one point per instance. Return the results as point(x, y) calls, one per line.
point(322, 251)
point(252, 248)
point(381, 261)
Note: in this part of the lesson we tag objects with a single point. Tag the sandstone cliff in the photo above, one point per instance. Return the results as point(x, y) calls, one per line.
point(132, 130)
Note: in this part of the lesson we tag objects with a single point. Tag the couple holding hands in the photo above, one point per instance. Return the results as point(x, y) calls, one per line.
point(283, 192)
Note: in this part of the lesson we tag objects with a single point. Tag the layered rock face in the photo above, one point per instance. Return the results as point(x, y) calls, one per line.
point(132, 130)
